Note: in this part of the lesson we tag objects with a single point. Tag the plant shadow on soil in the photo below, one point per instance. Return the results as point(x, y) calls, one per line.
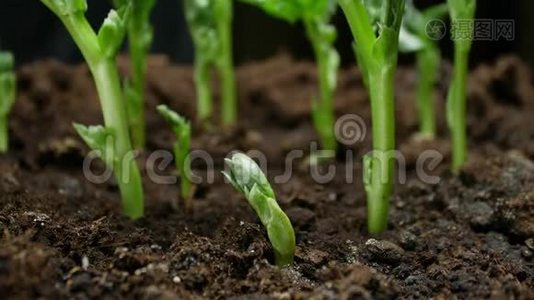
point(470, 236)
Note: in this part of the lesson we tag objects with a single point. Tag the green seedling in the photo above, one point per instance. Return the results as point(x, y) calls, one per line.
point(460, 11)
point(315, 15)
point(375, 25)
point(182, 130)
point(210, 24)
point(8, 87)
point(246, 176)
point(415, 37)
point(112, 141)
point(140, 35)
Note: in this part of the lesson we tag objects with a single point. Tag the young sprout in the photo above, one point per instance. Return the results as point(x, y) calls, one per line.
point(375, 25)
point(210, 24)
point(182, 130)
point(112, 141)
point(414, 37)
point(246, 176)
point(139, 39)
point(315, 15)
point(7, 96)
point(460, 11)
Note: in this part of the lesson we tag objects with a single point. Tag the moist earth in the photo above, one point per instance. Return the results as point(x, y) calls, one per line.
point(464, 236)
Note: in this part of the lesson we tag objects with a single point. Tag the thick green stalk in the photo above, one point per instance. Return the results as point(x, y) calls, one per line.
point(460, 11)
point(428, 60)
point(377, 57)
point(4, 137)
point(456, 108)
point(362, 31)
point(380, 163)
point(106, 77)
point(225, 62)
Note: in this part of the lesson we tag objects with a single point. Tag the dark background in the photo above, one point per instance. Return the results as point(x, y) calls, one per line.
point(32, 32)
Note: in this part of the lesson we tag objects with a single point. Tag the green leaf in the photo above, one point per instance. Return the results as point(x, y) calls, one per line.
point(66, 7)
point(293, 10)
point(112, 31)
point(200, 16)
point(289, 10)
point(409, 42)
point(178, 123)
point(100, 139)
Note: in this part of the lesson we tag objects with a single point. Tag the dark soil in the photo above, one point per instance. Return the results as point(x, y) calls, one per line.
point(470, 236)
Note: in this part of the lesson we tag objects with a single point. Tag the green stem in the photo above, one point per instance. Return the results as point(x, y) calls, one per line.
point(456, 107)
point(137, 120)
point(180, 156)
point(323, 108)
point(107, 82)
point(202, 83)
point(4, 137)
point(361, 29)
point(428, 64)
point(226, 65)
point(379, 182)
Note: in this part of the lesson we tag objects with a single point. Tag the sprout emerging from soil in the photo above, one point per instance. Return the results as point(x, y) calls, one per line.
point(182, 130)
point(140, 38)
point(316, 15)
point(414, 37)
point(460, 11)
point(210, 24)
point(111, 141)
point(375, 25)
point(247, 177)
point(8, 89)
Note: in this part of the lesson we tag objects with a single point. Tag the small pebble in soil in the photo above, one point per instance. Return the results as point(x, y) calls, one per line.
point(530, 244)
point(408, 240)
point(385, 251)
point(176, 279)
point(70, 187)
point(85, 262)
point(480, 214)
point(526, 253)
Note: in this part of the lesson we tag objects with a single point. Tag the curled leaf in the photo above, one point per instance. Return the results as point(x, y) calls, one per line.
point(247, 177)
point(100, 139)
point(112, 32)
